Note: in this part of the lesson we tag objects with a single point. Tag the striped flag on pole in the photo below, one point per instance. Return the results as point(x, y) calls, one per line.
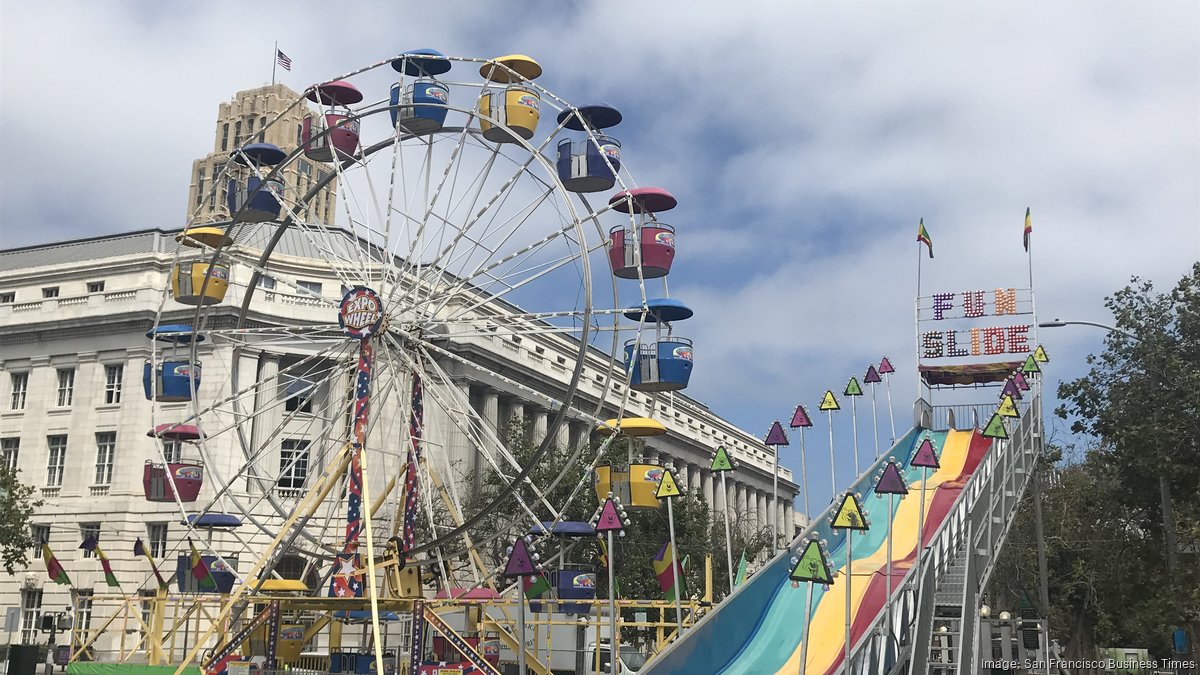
point(283, 60)
point(92, 545)
point(1028, 228)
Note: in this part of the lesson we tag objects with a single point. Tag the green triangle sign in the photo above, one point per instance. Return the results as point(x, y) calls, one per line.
point(721, 461)
point(852, 388)
point(995, 427)
point(812, 566)
point(1031, 365)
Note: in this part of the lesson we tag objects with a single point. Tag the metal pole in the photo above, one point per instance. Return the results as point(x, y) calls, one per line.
point(1043, 574)
point(849, 573)
point(874, 421)
point(854, 424)
point(612, 610)
point(775, 500)
point(887, 382)
point(804, 473)
point(728, 541)
point(832, 468)
point(521, 669)
point(274, 62)
point(921, 528)
point(887, 602)
point(675, 569)
point(807, 627)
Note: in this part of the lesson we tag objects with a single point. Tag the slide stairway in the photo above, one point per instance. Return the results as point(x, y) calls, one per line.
point(969, 504)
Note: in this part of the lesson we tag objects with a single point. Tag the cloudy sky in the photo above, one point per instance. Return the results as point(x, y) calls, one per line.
point(804, 141)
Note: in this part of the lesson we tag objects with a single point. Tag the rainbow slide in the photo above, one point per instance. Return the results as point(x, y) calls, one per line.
point(761, 627)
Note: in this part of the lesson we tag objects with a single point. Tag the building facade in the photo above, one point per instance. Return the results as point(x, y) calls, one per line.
point(73, 417)
point(250, 117)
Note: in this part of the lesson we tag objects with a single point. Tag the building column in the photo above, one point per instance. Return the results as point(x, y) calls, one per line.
point(694, 479)
point(516, 410)
point(731, 501)
point(539, 425)
point(739, 503)
point(459, 448)
point(764, 513)
point(489, 410)
point(577, 434)
point(562, 435)
point(708, 488)
point(268, 414)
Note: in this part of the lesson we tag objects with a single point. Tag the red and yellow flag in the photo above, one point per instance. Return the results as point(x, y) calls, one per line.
point(663, 564)
point(923, 237)
point(92, 545)
point(57, 574)
point(200, 571)
point(140, 549)
point(1028, 228)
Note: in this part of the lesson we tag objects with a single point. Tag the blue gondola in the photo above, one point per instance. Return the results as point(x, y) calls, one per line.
point(249, 199)
point(420, 106)
point(591, 163)
point(664, 363)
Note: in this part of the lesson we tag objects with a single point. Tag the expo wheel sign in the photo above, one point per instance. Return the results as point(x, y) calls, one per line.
point(361, 312)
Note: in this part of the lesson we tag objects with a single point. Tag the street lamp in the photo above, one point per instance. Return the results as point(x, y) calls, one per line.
point(1059, 323)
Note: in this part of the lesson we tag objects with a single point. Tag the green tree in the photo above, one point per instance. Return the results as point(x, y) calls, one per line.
point(16, 507)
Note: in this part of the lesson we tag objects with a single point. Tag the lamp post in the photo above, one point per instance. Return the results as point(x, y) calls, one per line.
point(1164, 488)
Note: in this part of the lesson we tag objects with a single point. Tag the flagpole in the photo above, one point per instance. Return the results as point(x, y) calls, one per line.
point(916, 340)
point(804, 472)
point(674, 569)
point(612, 607)
point(775, 501)
point(832, 458)
point(854, 424)
point(728, 541)
point(275, 64)
point(874, 420)
point(521, 668)
point(887, 603)
point(849, 580)
point(807, 627)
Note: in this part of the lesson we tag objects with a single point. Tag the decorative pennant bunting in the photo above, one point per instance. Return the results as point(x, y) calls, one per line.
point(776, 436)
point(610, 518)
point(1039, 354)
point(667, 487)
point(872, 376)
point(890, 481)
point(1019, 378)
point(1030, 365)
point(885, 366)
point(721, 460)
point(1011, 389)
point(829, 402)
point(850, 514)
point(1008, 407)
point(925, 456)
point(800, 418)
point(812, 566)
point(853, 388)
point(995, 428)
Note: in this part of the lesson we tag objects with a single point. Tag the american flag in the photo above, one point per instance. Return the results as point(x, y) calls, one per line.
point(411, 486)
point(283, 59)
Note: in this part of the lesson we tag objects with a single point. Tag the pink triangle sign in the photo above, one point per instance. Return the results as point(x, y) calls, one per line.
point(872, 376)
point(1019, 378)
point(800, 418)
point(891, 482)
point(1011, 389)
point(885, 366)
point(610, 520)
point(925, 457)
point(520, 563)
point(776, 436)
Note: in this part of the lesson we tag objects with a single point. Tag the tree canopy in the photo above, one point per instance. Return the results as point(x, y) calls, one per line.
point(16, 507)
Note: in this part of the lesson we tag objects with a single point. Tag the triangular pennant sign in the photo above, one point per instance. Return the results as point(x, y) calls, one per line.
point(776, 436)
point(995, 427)
point(610, 518)
point(800, 418)
point(891, 482)
point(1030, 365)
point(850, 515)
point(829, 402)
point(885, 366)
point(1008, 407)
point(812, 566)
point(872, 376)
point(667, 487)
point(1011, 389)
point(925, 456)
point(721, 461)
point(1022, 383)
point(520, 562)
point(1039, 355)
point(852, 387)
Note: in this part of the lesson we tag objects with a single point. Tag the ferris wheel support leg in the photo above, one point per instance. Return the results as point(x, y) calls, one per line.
point(313, 499)
point(372, 581)
point(457, 518)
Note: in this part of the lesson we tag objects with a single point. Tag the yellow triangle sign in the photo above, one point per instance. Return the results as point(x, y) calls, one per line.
point(829, 402)
point(1039, 354)
point(667, 487)
point(1008, 407)
point(849, 515)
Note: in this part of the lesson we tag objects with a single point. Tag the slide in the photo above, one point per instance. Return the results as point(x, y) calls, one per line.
point(761, 627)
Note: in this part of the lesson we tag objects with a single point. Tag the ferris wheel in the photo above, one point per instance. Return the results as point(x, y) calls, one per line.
point(478, 215)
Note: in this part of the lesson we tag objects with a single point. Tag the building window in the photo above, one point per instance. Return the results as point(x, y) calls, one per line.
point(10, 448)
point(310, 286)
point(306, 169)
point(237, 134)
point(83, 614)
point(156, 533)
point(106, 446)
point(199, 186)
point(250, 128)
point(172, 450)
point(8, 297)
point(50, 292)
point(113, 375)
point(31, 613)
point(89, 530)
point(299, 134)
point(146, 600)
point(40, 535)
point(66, 386)
point(299, 395)
point(266, 282)
point(293, 464)
point(56, 460)
point(225, 137)
point(95, 287)
point(262, 126)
